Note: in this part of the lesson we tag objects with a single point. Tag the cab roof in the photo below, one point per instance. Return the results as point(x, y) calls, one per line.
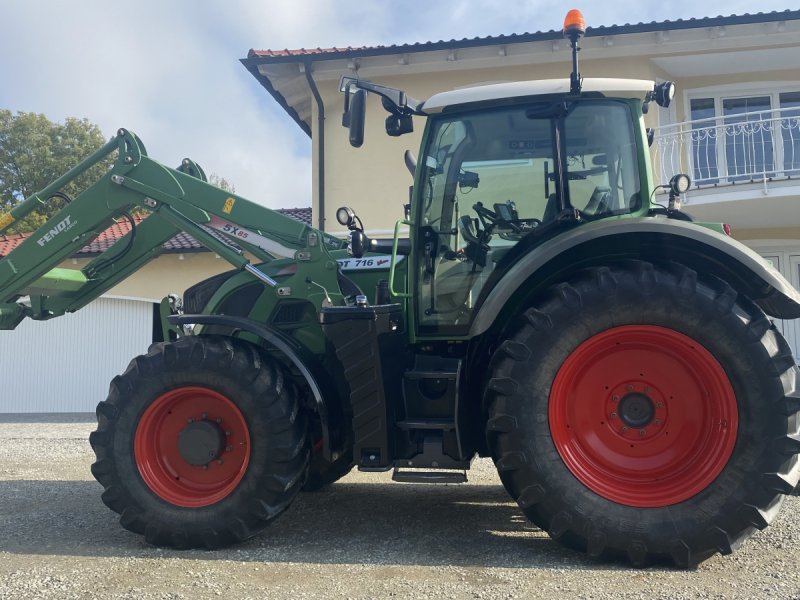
point(616, 88)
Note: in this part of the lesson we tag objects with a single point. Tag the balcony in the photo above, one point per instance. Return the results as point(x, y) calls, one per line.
point(736, 159)
point(756, 147)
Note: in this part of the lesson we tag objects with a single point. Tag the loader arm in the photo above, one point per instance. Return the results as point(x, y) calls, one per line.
point(173, 200)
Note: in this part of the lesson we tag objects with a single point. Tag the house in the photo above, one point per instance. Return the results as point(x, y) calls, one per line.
point(65, 365)
point(734, 125)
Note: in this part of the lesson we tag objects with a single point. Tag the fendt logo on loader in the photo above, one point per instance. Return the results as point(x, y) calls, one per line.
point(61, 227)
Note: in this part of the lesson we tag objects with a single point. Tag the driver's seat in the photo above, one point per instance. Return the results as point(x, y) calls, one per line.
point(599, 202)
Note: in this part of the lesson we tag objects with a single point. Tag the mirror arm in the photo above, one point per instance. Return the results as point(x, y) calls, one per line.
point(401, 102)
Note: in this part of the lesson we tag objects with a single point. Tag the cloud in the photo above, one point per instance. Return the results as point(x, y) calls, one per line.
point(167, 77)
point(170, 70)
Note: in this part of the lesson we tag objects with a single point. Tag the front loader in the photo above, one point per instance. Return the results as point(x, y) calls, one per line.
point(615, 359)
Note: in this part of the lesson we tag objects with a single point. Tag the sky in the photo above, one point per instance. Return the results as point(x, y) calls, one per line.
point(169, 69)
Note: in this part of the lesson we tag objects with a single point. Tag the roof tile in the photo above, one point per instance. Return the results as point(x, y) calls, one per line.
point(300, 214)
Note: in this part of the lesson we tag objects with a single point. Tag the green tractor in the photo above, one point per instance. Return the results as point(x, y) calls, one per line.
point(615, 359)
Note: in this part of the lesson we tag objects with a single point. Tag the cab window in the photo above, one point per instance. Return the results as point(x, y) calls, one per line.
point(491, 178)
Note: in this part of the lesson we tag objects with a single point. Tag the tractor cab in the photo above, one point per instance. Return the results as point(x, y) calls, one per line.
point(503, 168)
point(507, 164)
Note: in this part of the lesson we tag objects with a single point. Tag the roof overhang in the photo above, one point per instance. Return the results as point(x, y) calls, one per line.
point(667, 43)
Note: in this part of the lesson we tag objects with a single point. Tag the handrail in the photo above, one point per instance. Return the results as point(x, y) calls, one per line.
point(692, 122)
point(727, 149)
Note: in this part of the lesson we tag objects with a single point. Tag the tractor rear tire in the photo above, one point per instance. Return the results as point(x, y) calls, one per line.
point(201, 443)
point(646, 413)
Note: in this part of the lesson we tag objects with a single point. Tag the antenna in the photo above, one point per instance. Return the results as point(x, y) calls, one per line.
point(574, 28)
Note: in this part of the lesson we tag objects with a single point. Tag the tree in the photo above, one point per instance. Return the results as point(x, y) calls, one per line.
point(34, 151)
point(221, 183)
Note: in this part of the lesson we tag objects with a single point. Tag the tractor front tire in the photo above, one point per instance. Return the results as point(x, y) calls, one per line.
point(201, 443)
point(322, 473)
point(646, 413)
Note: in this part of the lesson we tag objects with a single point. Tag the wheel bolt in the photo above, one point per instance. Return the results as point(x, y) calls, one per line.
point(624, 429)
point(615, 398)
point(659, 405)
point(219, 419)
point(629, 387)
point(205, 467)
point(642, 432)
point(613, 415)
point(204, 416)
point(228, 433)
point(228, 448)
point(657, 421)
point(647, 390)
point(220, 461)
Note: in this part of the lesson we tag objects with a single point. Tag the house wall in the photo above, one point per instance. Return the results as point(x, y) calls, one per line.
point(166, 274)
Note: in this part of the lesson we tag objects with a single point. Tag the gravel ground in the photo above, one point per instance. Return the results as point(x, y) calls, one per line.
point(365, 537)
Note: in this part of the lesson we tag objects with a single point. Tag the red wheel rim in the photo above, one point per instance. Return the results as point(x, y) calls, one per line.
point(643, 415)
point(161, 465)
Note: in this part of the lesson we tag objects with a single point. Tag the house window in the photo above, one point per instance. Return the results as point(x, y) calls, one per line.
point(790, 131)
point(745, 138)
point(748, 132)
point(704, 141)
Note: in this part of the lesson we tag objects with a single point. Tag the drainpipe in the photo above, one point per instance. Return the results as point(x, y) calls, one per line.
point(320, 144)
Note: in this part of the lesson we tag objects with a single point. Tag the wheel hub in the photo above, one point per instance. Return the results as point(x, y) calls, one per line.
point(636, 410)
point(200, 442)
point(192, 446)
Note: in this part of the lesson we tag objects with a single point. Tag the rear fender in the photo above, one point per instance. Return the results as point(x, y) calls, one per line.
point(652, 239)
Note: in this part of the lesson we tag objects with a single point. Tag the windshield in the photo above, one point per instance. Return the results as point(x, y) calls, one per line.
point(493, 177)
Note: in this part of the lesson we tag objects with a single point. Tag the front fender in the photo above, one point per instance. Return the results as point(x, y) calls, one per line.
point(300, 358)
point(653, 239)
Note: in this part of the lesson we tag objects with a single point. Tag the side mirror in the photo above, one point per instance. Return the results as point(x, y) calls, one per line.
point(355, 108)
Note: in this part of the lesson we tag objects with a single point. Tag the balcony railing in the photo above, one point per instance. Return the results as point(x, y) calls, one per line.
point(750, 147)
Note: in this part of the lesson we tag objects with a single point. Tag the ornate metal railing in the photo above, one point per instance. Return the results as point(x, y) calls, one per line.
point(749, 147)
